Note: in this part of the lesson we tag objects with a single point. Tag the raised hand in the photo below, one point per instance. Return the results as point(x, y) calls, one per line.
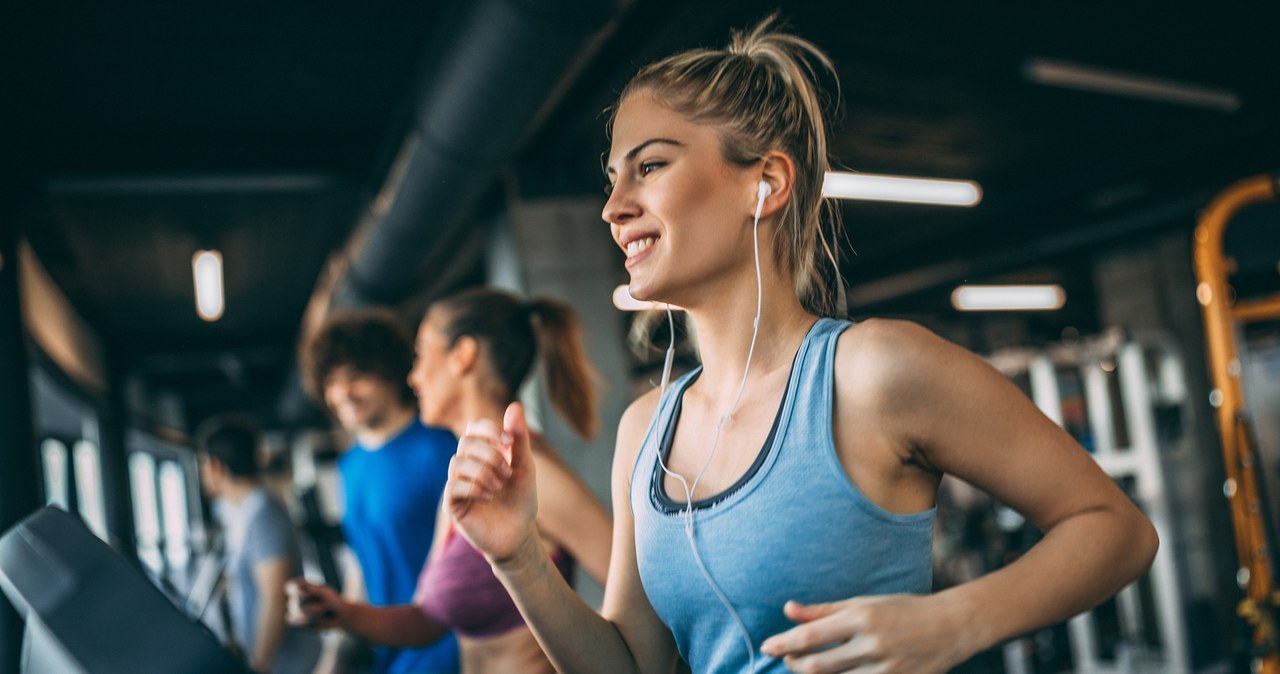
point(883, 634)
point(491, 494)
point(311, 605)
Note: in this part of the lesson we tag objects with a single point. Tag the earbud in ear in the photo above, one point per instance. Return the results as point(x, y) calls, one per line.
point(762, 190)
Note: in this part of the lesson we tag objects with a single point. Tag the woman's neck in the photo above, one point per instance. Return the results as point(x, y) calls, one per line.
point(724, 331)
point(473, 405)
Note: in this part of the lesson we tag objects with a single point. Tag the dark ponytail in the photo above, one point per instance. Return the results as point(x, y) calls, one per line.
point(569, 375)
point(512, 333)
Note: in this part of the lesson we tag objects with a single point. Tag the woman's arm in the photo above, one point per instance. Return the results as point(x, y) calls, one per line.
point(321, 607)
point(570, 515)
point(924, 406)
point(402, 626)
point(494, 505)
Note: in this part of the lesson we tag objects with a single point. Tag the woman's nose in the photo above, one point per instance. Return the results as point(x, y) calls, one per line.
point(621, 206)
point(413, 376)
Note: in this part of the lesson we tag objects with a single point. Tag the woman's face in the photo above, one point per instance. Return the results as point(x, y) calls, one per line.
point(680, 211)
point(430, 378)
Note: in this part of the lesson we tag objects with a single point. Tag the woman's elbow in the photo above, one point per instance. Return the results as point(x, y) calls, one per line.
point(1145, 542)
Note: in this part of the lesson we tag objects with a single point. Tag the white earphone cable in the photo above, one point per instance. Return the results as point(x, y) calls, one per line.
point(715, 441)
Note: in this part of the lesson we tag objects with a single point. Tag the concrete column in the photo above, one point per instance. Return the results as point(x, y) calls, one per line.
point(19, 473)
point(112, 422)
point(566, 253)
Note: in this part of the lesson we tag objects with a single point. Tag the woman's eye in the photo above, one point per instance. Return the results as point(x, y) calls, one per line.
point(650, 166)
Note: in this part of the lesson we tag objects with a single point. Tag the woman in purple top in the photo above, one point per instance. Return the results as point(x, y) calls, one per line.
point(474, 350)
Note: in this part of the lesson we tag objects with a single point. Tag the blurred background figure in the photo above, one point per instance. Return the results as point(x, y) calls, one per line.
point(261, 550)
point(474, 351)
point(392, 475)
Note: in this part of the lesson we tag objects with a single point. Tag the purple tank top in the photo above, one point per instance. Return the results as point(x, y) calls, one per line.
point(457, 588)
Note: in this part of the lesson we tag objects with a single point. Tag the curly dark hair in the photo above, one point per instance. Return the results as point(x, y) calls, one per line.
point(372, 341)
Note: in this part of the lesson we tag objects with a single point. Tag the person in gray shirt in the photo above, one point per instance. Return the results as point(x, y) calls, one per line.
point(261, 549)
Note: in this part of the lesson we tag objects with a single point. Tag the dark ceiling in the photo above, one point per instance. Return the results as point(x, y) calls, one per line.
point(150, 130)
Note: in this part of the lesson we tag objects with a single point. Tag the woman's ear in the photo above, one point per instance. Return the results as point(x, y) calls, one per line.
point(778, 171)
point(463, 355)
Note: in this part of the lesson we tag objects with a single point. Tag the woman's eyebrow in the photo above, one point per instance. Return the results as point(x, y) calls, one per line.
point(631, 154)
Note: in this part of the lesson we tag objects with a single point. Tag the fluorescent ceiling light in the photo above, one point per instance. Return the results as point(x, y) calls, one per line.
point(872, 187)
point(623, 300)
point(1008, 298)
point(1070, 75)
point(206, 266)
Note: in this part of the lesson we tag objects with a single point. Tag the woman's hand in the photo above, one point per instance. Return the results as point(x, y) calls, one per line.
point(315, 606)
point(882, 634)
point(491, 493)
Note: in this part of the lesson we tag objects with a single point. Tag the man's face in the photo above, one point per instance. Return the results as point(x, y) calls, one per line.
point(210, 475)
point(360, 400)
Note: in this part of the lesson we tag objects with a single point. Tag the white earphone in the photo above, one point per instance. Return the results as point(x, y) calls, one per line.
point(762, 191)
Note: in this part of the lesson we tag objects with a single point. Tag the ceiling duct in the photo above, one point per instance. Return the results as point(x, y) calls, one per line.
point(505, 64)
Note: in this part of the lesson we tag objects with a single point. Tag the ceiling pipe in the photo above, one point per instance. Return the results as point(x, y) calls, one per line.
point(506, 64)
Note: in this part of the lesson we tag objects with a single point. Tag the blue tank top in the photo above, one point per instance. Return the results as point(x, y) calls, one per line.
point(793, 527)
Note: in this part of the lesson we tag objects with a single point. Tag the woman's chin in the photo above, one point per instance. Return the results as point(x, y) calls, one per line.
point(646, 292)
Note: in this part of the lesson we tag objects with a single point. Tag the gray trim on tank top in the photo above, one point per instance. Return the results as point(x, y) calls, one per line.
point(658, 493)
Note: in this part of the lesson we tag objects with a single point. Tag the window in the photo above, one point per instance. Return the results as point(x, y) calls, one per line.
point(57, 477)
point(92, 505)
point(146, 511)
point(174, 516)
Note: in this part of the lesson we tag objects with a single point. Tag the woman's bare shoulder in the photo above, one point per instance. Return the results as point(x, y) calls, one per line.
point(892, 334)
point(882, 355)
point(633, 425)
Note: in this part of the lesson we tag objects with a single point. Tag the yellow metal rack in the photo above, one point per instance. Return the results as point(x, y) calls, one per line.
point(1222, 318)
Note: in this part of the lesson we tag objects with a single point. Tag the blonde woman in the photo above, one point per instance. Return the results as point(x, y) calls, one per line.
point(773, 509)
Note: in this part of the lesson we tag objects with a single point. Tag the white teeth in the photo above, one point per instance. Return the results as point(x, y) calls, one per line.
point(639, 246)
